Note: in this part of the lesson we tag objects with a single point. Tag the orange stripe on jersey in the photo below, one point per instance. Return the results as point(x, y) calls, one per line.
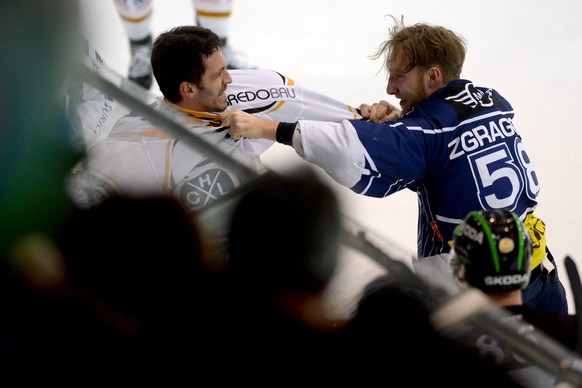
point(135, 20)
point(155, 133)
point(210, 14)
point(279, 105)
point(354, 111)
point(212, 118)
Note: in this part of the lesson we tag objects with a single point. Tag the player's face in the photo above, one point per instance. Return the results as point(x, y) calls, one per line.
point(410, 88)
point(211, 95)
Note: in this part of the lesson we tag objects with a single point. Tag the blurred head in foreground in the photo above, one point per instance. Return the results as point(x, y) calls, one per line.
point(285, 233)
point(37, 40)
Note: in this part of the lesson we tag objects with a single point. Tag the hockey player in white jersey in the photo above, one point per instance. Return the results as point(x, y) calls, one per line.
point(89, 109)
point(140, 158)
point(455, 145)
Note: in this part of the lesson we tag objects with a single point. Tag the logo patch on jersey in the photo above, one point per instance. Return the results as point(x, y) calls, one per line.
point(202, 188)
point(471, 96)
point(506, 245)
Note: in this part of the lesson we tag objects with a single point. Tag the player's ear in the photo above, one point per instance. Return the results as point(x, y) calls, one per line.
point(434, 77)
point(187, 89)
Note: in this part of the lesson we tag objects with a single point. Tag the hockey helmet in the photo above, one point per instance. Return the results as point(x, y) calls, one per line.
point(492, 251)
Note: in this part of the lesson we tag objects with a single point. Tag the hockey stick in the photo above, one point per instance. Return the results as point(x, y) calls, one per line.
point(576, 287)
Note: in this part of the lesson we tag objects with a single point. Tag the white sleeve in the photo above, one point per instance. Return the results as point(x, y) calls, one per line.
point(271, 95)
point(320, 107)
point(335, 147)
point(90, 110)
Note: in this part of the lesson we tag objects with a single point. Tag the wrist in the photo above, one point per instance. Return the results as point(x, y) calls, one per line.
point(284, 133)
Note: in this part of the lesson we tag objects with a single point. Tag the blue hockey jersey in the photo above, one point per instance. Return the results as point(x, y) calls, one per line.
point(459, 151)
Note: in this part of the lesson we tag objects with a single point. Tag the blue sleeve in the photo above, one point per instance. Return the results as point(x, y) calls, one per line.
point(395, 157)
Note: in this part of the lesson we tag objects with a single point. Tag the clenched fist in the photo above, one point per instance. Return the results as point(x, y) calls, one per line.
point(243, 124)
point(380, 112)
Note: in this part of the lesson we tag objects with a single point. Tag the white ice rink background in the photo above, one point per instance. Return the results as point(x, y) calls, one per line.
point(530, 51)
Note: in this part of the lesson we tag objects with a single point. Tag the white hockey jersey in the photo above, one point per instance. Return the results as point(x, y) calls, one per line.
point(88, 108)
point(140, 158)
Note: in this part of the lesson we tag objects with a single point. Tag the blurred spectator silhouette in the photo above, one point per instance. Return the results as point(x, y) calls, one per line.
point(283, 250)
point(129, 299)
point(391, 330)
point(114, 299)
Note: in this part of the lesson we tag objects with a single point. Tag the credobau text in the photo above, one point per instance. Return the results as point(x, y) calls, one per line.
point(280, 93)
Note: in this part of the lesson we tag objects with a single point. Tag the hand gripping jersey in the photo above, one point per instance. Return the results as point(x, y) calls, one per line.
point(139, 158)
point(459, 151)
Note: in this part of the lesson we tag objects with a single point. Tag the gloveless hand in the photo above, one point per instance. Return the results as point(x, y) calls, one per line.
point(242, 124)
point(380, 111)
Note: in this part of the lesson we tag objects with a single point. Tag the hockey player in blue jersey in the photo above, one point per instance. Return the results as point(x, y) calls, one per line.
point(453, 143)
